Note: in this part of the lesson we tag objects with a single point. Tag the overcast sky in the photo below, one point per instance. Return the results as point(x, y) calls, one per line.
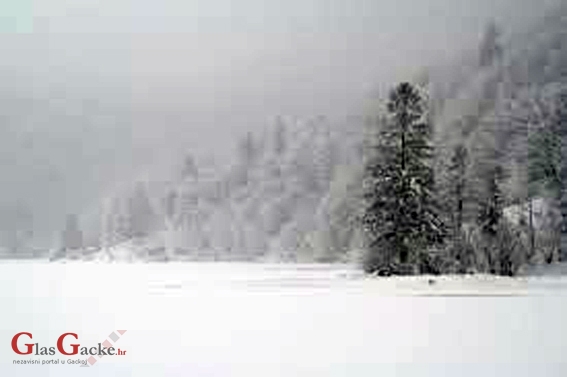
point(90, 89)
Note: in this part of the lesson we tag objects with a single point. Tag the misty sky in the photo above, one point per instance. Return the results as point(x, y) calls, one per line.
point(94, 91)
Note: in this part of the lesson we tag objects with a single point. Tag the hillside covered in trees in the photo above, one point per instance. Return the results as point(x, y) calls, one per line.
point(296, 192)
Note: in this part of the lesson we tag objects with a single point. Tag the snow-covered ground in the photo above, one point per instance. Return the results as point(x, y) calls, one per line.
point(221, 319)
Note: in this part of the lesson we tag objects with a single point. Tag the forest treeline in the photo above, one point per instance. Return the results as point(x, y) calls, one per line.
point(414, 224)
point(457, 171)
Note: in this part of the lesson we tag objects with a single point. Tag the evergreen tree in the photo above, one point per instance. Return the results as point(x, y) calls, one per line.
point(188, 207)
point(322, 157)
point(401, 219)
point(141, 213)
point(247, 149)
point(72, 237)
point(190, 169)
point(456, 198)
point(170, 205)
point(280, 142)
point(248, 152)
point(121, 222)
point(490, 214)
point(107, 219)
point(559, 128)
point(490, 209)
point(544, 160)
point(490, 48)
point(544, 156)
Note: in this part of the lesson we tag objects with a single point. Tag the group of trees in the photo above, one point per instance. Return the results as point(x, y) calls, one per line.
point(130, 218)
point(431, 206)
point(133, 218)
point(444, 204)
point(413, 225)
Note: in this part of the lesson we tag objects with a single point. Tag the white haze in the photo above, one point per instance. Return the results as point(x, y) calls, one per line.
point(94, 92)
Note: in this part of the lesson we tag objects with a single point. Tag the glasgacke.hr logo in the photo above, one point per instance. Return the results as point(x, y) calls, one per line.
point(93, 353)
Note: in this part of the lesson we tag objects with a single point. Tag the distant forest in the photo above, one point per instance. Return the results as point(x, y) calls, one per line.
point(459, 170)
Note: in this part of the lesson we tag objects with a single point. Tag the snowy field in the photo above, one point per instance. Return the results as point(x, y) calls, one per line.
point(251, 320)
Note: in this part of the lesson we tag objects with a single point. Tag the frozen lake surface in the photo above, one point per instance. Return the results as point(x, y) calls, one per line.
point(252, 320)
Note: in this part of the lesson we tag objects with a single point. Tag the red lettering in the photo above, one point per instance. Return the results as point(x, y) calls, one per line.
point(15, 344)
point(74, 347)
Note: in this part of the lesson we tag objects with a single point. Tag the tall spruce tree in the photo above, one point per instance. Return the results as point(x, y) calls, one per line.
point(140, 212)
point(456, 198)
point(401, 218)
point(490, 213)
point(544, 160)
point(560, 128)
